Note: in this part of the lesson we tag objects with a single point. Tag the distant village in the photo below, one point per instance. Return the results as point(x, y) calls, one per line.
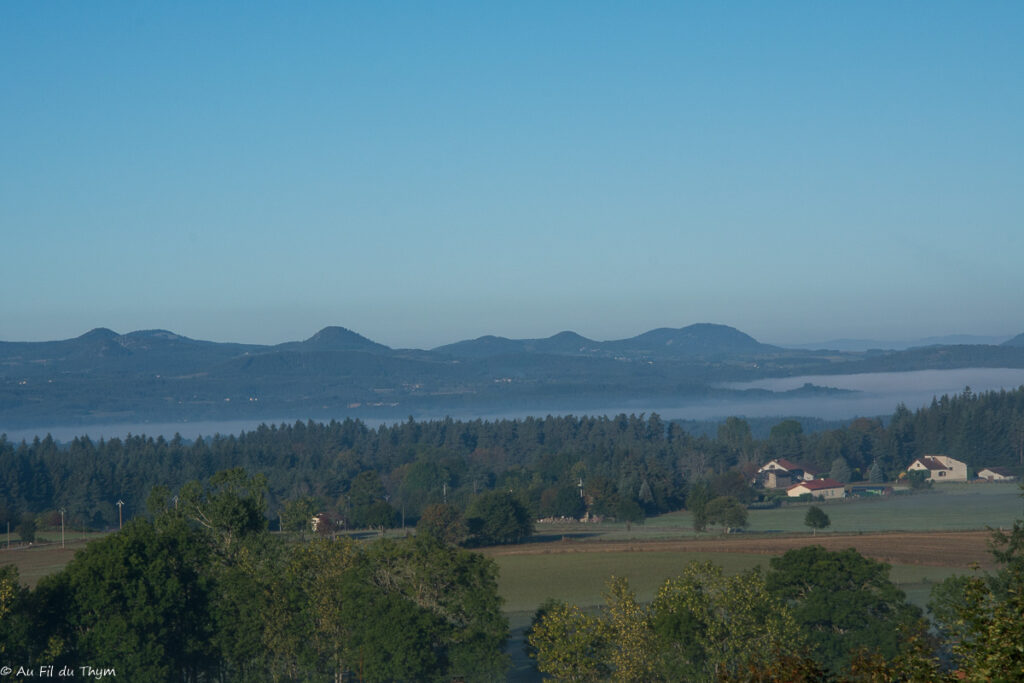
point(803, 480)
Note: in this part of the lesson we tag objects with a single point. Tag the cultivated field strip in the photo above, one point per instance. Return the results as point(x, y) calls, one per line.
point(958, 549)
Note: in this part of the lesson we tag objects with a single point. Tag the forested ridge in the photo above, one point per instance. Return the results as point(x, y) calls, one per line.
point(626, 466)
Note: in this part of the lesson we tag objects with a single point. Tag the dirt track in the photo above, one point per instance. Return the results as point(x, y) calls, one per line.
point(939, 548)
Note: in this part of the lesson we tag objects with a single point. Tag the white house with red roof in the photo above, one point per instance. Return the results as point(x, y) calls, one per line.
point(829, 489)
point(940, 468)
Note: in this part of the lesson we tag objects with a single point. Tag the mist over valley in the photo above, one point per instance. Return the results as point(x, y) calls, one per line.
point(157, 382)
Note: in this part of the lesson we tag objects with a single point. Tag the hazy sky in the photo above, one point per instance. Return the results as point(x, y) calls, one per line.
point(427, 172)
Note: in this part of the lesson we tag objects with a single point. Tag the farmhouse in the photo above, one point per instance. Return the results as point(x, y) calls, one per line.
point(940, 468)
point(820, 488)
point(322, 523)
point(996, 474)
point(779, 473)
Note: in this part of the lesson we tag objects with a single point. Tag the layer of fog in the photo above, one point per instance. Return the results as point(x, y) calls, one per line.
point(873, 394)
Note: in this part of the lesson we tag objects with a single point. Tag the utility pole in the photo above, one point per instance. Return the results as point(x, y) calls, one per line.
point(120, 521)
point(62, 527)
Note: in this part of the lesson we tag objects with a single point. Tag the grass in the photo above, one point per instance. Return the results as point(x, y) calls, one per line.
point(527, 580)
point(946, 507)
point(44, 557)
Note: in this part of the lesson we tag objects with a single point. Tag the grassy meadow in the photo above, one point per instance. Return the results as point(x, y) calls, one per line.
point(527, 580)
point(946, 507)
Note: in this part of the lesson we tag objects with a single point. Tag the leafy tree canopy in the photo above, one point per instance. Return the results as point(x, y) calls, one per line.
point(816, 518)
point(845, 601)
point(497, 517)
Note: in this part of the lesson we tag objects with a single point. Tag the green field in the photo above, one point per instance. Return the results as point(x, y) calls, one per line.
point(947, 507)
point(525, 581)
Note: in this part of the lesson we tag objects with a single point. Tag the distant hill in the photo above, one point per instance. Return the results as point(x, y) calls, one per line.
point(702, 339)
point(1017, 341)
point(334, 339)
point(900, 345)
point(157, 375)
point(481, 347)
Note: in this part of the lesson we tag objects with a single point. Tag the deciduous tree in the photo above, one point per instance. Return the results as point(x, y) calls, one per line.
point(497, 517)
point(816, 518)
point(727, 511)
point(845, 602)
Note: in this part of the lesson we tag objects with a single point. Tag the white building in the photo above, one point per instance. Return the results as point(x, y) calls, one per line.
point(829, 489)
point(996, 474)
point(940, 468)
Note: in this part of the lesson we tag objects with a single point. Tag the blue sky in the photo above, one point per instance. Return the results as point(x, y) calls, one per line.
point(423, 173)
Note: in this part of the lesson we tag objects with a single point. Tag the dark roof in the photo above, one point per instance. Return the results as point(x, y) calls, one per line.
point(787, 465)
point(931, 463)
point(999, 470)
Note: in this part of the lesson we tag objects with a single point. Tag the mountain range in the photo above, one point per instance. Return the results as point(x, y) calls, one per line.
point(157, 375)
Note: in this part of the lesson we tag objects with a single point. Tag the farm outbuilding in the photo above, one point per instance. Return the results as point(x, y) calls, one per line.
point(996, 474)
point(829, 489)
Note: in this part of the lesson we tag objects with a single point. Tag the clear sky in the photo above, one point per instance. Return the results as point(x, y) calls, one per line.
point(427, 172)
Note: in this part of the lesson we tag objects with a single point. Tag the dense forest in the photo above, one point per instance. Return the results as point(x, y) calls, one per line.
point(626, 466)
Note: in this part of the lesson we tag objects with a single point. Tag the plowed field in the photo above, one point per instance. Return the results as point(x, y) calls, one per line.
point(959, 549)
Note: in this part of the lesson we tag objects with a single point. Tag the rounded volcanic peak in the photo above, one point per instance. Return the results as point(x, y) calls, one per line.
point(488, 345)
point(701, 338)
point(164, 335)
point(564, 342)
point(336, 338)
point(569, 337)
point(98, 334)
point(101, 342)
point(157, 340)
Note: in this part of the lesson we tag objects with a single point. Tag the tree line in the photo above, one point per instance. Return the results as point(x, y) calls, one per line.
point(625, 467)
